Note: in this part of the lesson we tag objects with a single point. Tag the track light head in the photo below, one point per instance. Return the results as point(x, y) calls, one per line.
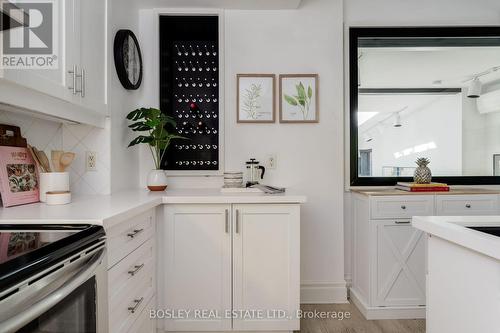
point(474, 90)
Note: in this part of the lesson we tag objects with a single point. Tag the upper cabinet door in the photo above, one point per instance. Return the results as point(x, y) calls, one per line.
point(55, 81)
point(91, 65)
point(266, 266)
point(197, 266)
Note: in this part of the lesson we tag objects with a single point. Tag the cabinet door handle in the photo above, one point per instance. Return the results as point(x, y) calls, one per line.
point(237, 221)
point(226, 221)
point(137, 302)
point(73, 73)
point(468, 206)
point(136, 269)
point(135, 233)
point(403, 207)
point(402, 222)
point(82, 81)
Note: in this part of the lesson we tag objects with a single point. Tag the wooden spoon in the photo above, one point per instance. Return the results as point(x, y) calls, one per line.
point(44, 160)
point(66, 159)
point(35, 158)
point(55, 156)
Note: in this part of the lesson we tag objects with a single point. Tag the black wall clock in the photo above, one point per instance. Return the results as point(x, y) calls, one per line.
point(128, 59)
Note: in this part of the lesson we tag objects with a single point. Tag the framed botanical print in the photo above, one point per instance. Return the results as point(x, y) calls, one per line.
point(299, 101)
point(255, 98)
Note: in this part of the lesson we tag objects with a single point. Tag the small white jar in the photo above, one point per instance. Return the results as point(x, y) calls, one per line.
point(53, 181)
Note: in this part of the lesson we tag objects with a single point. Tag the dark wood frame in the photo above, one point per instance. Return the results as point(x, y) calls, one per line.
point(400, 36)
point(316, 97)
point(120, 37)
point(240, 121)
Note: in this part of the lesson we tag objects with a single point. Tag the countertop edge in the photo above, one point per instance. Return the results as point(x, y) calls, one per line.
point(454, 229)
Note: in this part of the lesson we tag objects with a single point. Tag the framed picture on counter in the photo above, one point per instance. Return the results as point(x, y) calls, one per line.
point(255, 98)
point(299, 102)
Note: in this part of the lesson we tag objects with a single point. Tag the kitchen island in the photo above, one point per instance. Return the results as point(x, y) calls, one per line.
point(463, 273)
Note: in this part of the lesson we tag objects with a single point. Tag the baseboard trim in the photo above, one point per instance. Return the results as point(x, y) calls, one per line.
point(323, 293)
point(387, 312)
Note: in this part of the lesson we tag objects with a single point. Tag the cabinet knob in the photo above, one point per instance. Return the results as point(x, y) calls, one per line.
point(403, 207)
point(467, 205)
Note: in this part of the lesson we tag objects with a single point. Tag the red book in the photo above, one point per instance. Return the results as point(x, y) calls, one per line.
point(424, 189)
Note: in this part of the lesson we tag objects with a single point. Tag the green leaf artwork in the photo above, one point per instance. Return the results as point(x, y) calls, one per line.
point(153, 122)
point(251, 104)
point(302, 100)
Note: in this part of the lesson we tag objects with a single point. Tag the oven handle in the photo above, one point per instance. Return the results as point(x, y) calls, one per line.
point(25, 316)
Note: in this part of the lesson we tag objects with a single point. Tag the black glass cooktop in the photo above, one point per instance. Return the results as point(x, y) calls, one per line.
point(495, 231)
point(28, 249)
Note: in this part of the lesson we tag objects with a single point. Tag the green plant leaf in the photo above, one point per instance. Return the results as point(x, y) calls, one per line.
point(137, 114)
point(309, 92)
point(140, 139)
point(290, 100)
point(301, 91)
point(139, 127)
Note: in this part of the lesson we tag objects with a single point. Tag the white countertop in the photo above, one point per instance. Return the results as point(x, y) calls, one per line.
point(108, 210)
point(454, 229)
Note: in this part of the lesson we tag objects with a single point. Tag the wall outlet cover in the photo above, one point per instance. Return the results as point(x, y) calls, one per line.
point(272, 161)
point(90, 161)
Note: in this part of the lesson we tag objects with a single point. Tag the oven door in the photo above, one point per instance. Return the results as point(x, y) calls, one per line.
point(69, 297)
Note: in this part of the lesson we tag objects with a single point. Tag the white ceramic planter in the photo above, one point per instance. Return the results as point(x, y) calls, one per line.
point(157, 180)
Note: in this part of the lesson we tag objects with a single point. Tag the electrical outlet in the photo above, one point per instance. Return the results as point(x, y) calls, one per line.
point(272, 161)
point(91, 161)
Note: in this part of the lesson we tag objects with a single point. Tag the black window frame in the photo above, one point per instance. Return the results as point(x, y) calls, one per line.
point(430, 37)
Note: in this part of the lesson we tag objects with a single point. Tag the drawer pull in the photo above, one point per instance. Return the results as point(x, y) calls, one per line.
point(136, 269)
point(137, 302)
point(467, 206)
point(135, 233)
point(402, 222)
point(403, 207)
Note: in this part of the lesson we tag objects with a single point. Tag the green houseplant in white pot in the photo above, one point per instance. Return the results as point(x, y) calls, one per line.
point(152, 124)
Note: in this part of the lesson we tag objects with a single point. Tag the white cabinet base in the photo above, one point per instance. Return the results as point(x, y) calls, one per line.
point(386, 312)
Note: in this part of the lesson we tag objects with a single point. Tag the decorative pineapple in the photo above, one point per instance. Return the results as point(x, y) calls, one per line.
point(422, 174)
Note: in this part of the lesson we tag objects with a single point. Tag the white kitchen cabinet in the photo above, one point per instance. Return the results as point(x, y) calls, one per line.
point(79, 80)
point(389, 254)
point(91, 58)
point(230, 259)
point(266, 265)
point(198, 265)
point(132, 273)
point(53, 82)
point(463, 205)
point(399, 264)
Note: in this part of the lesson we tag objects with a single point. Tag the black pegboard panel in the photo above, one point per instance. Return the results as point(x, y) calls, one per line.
point(189, 90)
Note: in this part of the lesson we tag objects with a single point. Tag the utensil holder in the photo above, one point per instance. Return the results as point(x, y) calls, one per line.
point(53, 181)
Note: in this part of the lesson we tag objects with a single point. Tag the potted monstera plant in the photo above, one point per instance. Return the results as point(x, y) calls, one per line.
point(152, 125)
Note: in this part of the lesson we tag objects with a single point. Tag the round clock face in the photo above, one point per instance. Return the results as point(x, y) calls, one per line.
point(128, 59)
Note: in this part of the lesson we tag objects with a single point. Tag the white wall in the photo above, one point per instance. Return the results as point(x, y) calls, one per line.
point(124, 161)
point(309, 157)
point(412, 13)
point(308, 40)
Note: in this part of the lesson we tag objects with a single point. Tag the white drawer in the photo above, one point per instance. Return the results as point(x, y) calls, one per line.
point(128, 273)
point(453, 205)
point(129, 306)
point(394, 207)
point(128, 236)
point(144, 324)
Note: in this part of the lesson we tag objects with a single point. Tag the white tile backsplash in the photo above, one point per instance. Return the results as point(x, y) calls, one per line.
point(52, 135)
point(83, 138)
